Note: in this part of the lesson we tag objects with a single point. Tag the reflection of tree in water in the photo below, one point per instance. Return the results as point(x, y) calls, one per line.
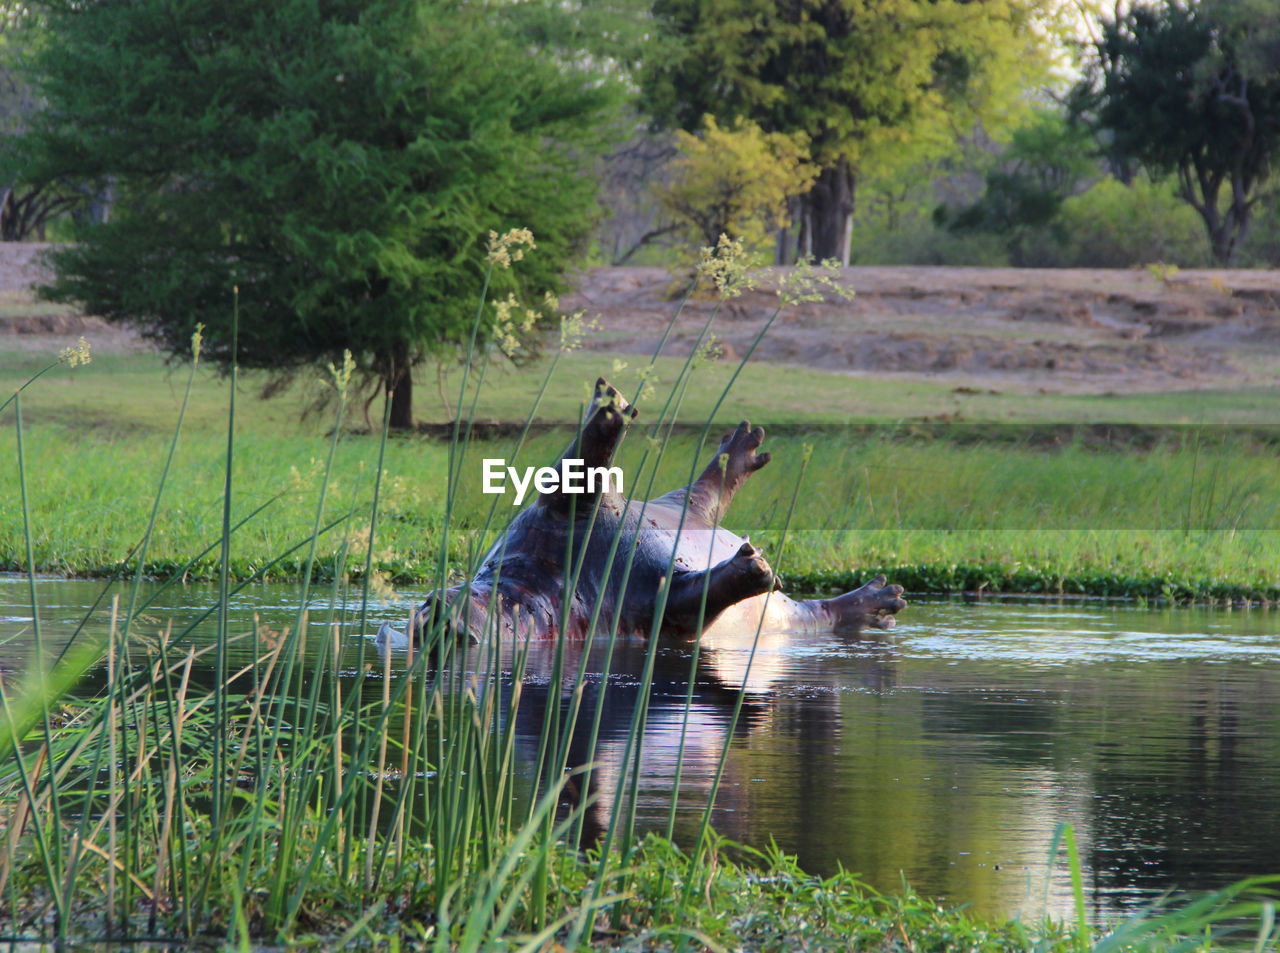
point(1014, 726)
point(1172, 770)
point(1190, 777)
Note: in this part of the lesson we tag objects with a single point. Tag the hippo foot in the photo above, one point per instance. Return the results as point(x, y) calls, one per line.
point(735, 460)
point(750, 571)
point(737, 454)
point(610, 413)
point(607, 396)
point(870, 606)
point(695, 599)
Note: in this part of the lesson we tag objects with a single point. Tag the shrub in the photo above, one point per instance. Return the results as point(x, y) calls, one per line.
point(1261, 247)
point(1113, 225)
point(923, 243)
point(736, 182)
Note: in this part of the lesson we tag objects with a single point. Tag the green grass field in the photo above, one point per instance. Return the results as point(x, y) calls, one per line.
point(1161, 505)
point(123, 392)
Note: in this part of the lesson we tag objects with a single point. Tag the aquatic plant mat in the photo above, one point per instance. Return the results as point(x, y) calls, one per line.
point(266, 789)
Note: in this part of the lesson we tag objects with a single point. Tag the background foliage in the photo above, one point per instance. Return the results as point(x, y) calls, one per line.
point(1192, 90)
point(861, 78)
point(735, 181)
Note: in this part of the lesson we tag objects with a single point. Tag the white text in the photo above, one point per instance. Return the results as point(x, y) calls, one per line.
point(574, 476)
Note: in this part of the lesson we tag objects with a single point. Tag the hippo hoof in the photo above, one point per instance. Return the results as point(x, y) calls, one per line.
point(872, 605)
point(749, 561)
point(608, 396)
point(740, 448)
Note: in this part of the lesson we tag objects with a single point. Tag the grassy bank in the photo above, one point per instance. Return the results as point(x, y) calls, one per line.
point(130, 391)
point(1176, 498)
point(1194, 517)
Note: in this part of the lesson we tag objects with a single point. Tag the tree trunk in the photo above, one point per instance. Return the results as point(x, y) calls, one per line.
point(101, 201)
point(398, 382)
point(830, 212)
point(402, 403)
point(8, 217)
point(1226, 231)
point(1235, 226)
point(789, 247)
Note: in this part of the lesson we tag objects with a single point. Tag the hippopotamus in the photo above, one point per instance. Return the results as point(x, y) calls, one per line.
point(662, 568)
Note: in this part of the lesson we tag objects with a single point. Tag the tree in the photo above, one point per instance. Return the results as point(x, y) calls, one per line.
point(735, 182)
point(25, 208)
point(1047, 160)
point(1193, 90)
point(856, 76)
point(340, 162)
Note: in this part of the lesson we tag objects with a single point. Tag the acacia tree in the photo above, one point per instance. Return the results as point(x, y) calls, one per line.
point(855, 76)
point(340, 161)
point(1193, 90)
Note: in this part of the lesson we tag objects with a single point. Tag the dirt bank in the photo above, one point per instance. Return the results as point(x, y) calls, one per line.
point(29, 324)
point(1051, 330)
point(1065, 331)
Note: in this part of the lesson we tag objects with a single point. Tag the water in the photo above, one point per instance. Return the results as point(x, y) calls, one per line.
point(948, 754)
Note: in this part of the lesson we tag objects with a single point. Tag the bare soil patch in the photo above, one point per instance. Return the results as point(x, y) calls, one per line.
point(29, 324)
point(1001, 329)
point(1063, 331)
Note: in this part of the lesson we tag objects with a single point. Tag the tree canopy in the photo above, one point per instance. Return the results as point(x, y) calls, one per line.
point(855, 76)
point(1193, 90)
point(1046, 162)
point(341, 162)
point(734, 182)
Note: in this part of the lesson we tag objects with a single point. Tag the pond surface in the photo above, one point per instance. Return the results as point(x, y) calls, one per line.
point(948, 755)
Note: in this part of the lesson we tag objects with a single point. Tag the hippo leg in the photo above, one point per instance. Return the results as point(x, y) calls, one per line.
point(741, 576)
point(735, 460)
point(606, 422)
point(872, 605)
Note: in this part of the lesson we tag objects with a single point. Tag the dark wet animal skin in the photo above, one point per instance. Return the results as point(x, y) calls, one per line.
point(718, 579)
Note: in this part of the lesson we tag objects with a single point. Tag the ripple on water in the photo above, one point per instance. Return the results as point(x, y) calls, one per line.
point(1056, 647)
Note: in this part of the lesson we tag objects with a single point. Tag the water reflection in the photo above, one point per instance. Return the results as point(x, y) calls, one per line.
point(948, 755)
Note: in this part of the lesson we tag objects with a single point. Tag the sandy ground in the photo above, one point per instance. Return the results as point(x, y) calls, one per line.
point(1045, 330)
point(28, 324)
point(1055, 331)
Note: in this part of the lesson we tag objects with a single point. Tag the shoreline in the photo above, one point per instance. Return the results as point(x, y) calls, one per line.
point(927, 581)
